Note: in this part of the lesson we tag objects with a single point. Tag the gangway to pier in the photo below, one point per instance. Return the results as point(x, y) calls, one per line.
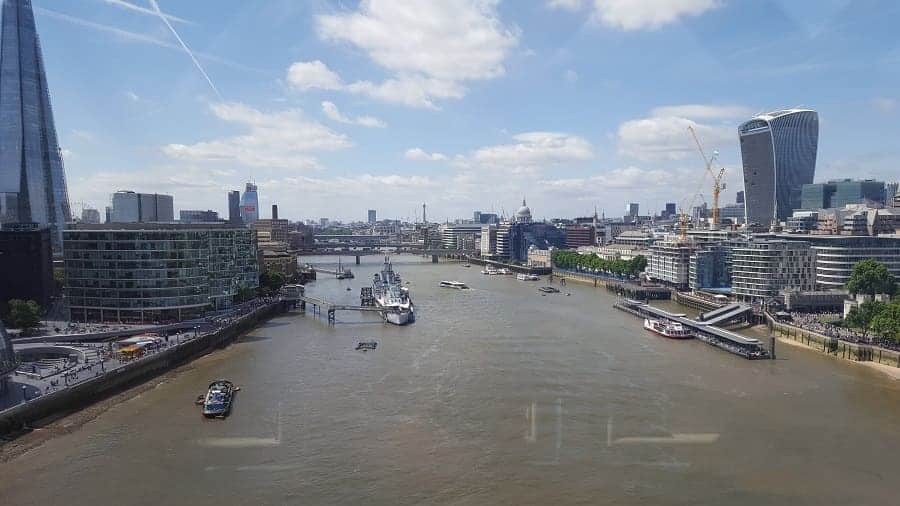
point(331, 308)
point(725, 314)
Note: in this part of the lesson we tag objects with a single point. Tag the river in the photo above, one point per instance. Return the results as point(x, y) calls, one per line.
point(496, 395)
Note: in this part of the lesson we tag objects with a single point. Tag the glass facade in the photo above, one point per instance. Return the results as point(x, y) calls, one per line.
point(778, 151)
point(7, 357)
point(161, 274)
point(250, 205)
point(32, 178)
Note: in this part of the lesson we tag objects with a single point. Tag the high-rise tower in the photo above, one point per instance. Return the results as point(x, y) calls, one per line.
point(778, 150)
point(250, 204)
point(32, 179)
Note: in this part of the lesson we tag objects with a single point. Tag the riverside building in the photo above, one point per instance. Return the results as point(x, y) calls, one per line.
point(156, 272)
point(762, 268)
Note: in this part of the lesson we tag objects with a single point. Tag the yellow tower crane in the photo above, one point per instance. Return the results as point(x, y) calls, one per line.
point(718, 184)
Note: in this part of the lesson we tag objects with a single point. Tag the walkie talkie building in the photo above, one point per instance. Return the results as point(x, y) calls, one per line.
point(778, 150)
point(32, 180)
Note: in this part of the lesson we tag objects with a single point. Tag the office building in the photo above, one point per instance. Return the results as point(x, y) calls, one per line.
point(372, 217)
point(891, 191)
point(461, 236)
point(839, 193)
point(8, 362)
point(249, 204)
point(485, 218)
point(32, 176)
point(739, 197)
point(197, 216)
point(837, 254)
point(274, 211)
point(89, 215)
point(710, 266)
point(632, 209)
point(670, 210)
point(778, 152)
point(26, 265)
point(272, 230)
point(764, 267)
point(156, 272)
point(234, 207)
point(580, 235)
point(488, 240)
point(670, 263)
point(131, 207)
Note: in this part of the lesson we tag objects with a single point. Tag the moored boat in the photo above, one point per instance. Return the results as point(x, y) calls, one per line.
point(527, 277)
point(672, 330)
point(392, 297)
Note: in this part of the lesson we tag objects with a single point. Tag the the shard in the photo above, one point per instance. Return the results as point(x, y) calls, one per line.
point(32, 179)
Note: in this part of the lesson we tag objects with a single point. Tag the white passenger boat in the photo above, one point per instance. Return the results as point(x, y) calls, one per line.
point(672, 330)
point(459, 285)
point(527, 277)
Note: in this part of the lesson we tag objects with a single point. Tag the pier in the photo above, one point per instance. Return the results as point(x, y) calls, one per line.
point(747, 347)
point(301, 300)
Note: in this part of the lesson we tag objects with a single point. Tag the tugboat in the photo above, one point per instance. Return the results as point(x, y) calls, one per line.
point(672, 330)
point(219, 397)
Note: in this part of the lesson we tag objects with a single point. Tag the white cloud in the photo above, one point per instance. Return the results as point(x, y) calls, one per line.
point(532, 151)
point(282, 140)
point(665, 136)
point(885, 105)
point(313, 74)
point(668, 138)
point(332, 112)
point(648, 14)
point(134, 97)
point(452, 40)
point(570, 76)
point(701, 111)
point(430, 48)
point(83, 135)
point(569, 5)
point(412, 91)
point(419, 154)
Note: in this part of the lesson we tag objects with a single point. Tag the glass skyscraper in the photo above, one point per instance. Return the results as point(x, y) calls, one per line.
point(250, 204)
point(32, 180)
point(778, 150)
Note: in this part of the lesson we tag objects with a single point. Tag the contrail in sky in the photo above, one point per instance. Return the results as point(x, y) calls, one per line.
point(184, 46)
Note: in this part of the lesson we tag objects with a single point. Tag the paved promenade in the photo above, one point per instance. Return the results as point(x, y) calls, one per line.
point(95, 359)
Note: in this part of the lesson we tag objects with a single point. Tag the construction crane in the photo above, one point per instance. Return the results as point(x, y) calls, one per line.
point(718, 184)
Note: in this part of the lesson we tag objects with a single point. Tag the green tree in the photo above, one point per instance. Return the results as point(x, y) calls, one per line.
point(871, 277)
point(862, 315)
point(271, 281)
point(887, 322)
point(59, 279)
point(24, 314)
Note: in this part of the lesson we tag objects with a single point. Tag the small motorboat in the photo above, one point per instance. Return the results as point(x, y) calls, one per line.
point(548, 289)
point(366, 346)
point(219, 398)
point(348, 288)
point(458, 285)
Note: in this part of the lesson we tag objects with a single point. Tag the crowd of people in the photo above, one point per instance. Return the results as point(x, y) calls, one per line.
point(821, 323)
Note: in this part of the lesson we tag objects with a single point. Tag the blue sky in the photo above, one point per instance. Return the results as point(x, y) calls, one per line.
point(337, 107)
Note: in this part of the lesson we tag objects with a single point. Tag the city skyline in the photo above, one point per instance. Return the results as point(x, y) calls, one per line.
point(351, 122)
